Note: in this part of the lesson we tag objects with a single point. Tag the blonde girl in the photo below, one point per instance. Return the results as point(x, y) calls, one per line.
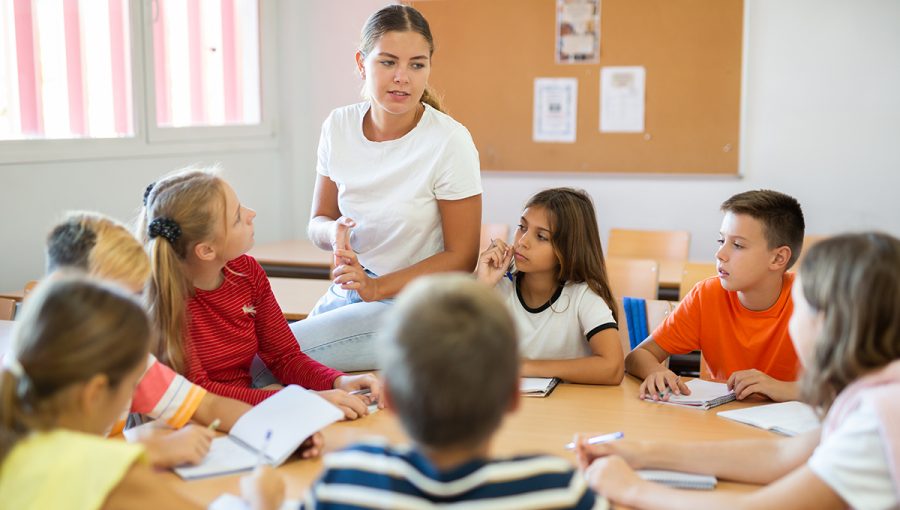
point(846, 329)
point(212, 302)
point(103, 248)
point(559, 295)
point(76, 356)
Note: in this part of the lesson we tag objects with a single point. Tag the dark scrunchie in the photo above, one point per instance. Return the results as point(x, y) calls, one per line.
point(166, 228)
point(147, 192)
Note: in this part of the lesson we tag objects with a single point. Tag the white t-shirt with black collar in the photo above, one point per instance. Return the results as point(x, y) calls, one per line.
point(560, 328)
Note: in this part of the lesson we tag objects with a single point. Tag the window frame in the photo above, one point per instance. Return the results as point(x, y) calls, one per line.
point(150, 140)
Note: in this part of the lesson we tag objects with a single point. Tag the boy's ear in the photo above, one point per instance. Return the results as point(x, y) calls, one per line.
point(780, 257)
point(205, 251)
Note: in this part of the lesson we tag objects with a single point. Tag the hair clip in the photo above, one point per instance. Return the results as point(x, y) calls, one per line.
point(147, 191)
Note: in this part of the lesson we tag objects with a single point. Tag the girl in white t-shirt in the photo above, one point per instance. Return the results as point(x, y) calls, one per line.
point(559, 294)
point(846, 329)
point(398, 190)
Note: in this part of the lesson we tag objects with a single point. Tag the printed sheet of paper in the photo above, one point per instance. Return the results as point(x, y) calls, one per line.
point(577, 31)
point(622, 93)
point(555, 108)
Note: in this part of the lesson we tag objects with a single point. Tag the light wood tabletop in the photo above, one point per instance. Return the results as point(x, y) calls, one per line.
point(541, 425)
point(297, 296)
point(297, 258)
point(18, 295)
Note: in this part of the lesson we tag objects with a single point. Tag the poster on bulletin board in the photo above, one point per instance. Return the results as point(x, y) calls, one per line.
point(577, 31)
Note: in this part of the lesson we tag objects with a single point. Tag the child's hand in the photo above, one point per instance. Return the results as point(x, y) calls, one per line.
point(357, 383)
point(350, 275)
point(661, 384)
point(188, 445)
point(353, 406)
point(612, 478)
point(586, 454)
point(747, 382)
point(494, 262)
point(263, 489)
point(312, 447)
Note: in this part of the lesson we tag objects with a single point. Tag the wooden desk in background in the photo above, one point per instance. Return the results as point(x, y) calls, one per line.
point(542, 425)
point(18, 295)
point(298, 258)
point(297, 296)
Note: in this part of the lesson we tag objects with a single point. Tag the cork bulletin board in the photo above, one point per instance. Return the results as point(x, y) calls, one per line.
point(489, 52)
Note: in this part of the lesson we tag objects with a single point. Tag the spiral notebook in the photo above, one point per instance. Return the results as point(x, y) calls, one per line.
point(704, 395)
point(678, 479)
point(537, 386)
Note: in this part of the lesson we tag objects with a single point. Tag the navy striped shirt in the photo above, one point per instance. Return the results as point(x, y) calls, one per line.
point(375, 475)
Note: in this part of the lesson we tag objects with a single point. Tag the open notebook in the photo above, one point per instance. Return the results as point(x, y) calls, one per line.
point(537, 386)
point(678, 479)
point(293, 414)
point(704, 395)
point(231, 502)
point(786, 418)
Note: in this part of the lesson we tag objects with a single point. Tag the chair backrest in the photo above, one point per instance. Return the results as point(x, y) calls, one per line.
point(7, 309)
point(656, 312)
point(491, 231)
point(633, 277)
point(693, 273)
point(649, 244)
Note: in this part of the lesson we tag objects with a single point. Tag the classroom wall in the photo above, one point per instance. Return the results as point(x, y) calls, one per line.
point(819, 122)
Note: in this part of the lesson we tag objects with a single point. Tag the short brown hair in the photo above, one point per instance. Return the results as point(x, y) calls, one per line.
point(854, 281)
point(780, 214)
point(450, 360)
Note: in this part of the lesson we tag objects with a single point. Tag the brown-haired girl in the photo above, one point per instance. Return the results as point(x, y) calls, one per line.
point(398, 192)
point(559, 293)
point(76, 356)
point(846, 329)
point(213, 304)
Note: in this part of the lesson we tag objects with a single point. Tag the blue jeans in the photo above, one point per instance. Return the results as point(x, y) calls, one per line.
point(340, 333)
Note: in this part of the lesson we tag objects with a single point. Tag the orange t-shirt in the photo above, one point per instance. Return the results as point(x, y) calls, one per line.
point(732, 337)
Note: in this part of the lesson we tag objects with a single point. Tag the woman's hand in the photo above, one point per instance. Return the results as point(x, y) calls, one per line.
point(350, 275)
point(340, 237)
point(494, 262)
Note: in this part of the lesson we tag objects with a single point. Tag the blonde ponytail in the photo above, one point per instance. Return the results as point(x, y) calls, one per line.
point(431, 98)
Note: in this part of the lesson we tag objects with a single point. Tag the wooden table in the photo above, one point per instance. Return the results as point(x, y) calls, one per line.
point(542, 425)
point(298, 296)
point(298, 258)
point(17, 295)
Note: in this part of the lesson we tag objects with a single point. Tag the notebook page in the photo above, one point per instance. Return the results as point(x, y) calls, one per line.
point(293, 414)
point(225, 456)
point(702, 392)
point(788, 418)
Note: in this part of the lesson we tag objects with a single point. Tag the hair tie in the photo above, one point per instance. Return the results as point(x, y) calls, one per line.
point(147, 191)
point(166, 228)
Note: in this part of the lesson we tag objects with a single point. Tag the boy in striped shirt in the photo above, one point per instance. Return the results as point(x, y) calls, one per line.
point(450, 363)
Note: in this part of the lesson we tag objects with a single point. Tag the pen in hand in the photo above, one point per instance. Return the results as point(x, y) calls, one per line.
point(215, 425)
point(605, 438)
point(262, 451)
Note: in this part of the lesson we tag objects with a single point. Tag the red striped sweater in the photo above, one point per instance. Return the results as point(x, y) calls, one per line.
point(229, 325)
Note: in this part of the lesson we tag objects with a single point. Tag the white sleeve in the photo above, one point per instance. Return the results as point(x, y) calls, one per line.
point(852, 462)
point(458, 174)
point(324, 151)
point(594, 314)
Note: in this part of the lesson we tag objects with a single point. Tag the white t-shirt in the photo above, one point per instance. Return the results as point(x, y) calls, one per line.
point(391, 188)
point(561, 328)
point(853, 463)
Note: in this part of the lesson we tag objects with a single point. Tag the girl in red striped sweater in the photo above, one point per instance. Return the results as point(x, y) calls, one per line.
point(213, 304)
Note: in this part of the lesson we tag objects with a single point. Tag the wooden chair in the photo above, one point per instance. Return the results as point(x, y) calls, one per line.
point(694, 272)
point(491, 231)
point(7, 309)
point(633, 277)
point(649, 244)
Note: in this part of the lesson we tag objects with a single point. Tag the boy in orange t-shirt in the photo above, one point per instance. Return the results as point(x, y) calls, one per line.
point(738, 319)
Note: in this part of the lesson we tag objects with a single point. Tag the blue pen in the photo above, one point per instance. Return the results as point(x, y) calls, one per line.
point(605, 438)
point(262, 451)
